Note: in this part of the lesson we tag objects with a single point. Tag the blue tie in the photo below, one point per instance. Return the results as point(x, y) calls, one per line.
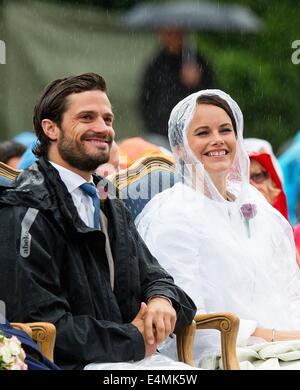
point(90, 190)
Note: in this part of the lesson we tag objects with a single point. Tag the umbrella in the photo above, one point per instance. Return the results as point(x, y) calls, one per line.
point(198, 15)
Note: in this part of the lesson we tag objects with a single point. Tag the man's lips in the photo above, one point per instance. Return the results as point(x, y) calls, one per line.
point(98, 141)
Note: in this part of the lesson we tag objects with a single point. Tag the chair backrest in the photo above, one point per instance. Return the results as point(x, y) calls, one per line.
point(7, 174)
point(144, 179)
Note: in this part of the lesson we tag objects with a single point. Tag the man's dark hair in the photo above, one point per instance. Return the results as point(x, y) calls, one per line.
point(52, 104)
point(219, 102)
point(10, 149)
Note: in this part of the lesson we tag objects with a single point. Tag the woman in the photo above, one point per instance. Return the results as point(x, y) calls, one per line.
point(266, 174)
point(216, 234)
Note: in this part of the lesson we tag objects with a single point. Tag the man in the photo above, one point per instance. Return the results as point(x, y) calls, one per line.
point(175, 72)
point(92, 277)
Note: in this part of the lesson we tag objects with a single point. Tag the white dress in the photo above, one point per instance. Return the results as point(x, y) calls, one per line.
point(205, 246)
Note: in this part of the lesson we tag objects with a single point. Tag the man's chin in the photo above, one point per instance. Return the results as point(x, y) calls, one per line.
point(98, 153)
point(89, 164)
point(102, 159)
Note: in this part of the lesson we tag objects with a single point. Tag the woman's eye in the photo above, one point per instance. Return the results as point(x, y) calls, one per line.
point(202, 133)
point(227, 130)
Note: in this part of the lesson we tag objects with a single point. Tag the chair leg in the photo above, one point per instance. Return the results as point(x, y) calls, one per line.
point(185, 341)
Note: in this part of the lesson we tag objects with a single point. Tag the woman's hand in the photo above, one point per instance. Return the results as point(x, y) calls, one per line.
point(276, 335)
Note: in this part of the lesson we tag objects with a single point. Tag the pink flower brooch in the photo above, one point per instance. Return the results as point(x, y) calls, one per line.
point(248, 211)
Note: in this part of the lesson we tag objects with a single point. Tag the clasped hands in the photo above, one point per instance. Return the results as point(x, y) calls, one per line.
point(156, 321)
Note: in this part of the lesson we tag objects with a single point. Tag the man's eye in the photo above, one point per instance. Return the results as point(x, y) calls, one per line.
point(108, 121)
point(86, 117)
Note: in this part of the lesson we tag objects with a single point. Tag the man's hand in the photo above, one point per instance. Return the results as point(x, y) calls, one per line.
point(139, 322)
point(155, 321)
point(159, 320)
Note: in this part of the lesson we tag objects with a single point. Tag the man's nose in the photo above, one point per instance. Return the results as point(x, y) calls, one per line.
point(102, 127)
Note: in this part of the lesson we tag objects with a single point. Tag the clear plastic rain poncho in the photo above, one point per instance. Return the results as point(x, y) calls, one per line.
point(189, 169)
point(236, 256)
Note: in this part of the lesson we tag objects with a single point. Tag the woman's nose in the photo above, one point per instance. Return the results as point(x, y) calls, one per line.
point(217, 139)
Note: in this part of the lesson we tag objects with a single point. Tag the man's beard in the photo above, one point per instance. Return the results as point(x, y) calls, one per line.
point(75, 154)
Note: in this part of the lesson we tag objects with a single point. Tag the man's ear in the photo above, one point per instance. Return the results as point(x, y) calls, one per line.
point(50, 129)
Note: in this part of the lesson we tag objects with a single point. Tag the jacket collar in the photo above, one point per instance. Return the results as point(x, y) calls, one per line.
point(41, 187)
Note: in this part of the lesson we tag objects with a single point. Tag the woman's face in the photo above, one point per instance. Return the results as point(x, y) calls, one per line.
point(260, 178)
point(212, 139)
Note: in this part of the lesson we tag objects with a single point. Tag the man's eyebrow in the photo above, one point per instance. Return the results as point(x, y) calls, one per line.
point(86, 112)
point(111, 114)
point(92, 112)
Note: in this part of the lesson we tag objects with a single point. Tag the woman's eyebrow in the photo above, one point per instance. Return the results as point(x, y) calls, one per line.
point(202, 128)
point(226, 124)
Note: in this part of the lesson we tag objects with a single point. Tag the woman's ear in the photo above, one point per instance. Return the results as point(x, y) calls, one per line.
point(50, 129)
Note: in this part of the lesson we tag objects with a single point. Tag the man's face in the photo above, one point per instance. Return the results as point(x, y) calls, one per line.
point(86, 132)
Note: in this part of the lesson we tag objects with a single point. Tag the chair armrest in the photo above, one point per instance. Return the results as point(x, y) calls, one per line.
point(21, 326)
point(43, 333)
point(226, 323)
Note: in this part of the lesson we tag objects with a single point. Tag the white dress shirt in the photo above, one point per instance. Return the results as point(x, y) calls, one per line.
point(82, 201)
point(85, 208)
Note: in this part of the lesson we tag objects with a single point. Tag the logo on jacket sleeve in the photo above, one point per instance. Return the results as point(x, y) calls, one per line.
point(25, 240)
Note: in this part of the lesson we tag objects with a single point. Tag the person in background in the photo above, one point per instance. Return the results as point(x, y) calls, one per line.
point(289, 161)
point(175, 72)
point(65, 259)
point(131, 149)
point(11, 152)
point(266, 174)
point(297, 240)
point(26, 138)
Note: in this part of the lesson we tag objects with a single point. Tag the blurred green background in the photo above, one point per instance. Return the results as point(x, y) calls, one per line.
point(46, 40)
